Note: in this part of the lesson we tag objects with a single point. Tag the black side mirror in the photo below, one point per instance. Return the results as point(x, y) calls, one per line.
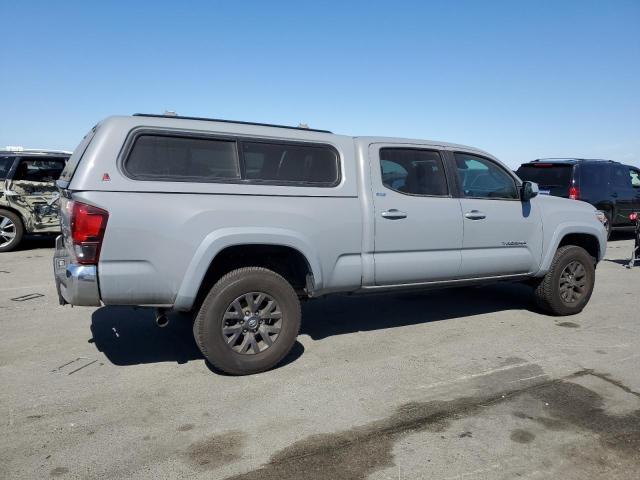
point(529, 190)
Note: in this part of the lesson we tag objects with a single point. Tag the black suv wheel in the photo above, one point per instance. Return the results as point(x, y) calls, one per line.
point(567, 287)
point(248, 322)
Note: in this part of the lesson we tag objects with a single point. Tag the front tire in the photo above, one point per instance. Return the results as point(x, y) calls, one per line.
point(568, 285)
point(248, 322)
point(11, 230)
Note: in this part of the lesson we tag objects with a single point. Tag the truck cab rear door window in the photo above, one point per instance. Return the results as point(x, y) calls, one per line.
point(413, 171)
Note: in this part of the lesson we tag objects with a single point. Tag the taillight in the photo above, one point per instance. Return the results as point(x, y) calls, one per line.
point(633, 216)
point(574, 193)
point(87, 231)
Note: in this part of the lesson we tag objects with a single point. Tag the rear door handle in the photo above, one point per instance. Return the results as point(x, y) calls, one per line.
point(475, 215)
point(393, 214)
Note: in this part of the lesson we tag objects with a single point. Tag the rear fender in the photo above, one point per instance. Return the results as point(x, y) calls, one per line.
point(217, 241)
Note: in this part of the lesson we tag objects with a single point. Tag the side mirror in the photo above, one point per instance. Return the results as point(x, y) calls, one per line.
point(529, 190)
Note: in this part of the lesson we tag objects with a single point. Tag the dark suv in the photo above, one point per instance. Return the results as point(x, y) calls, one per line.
point(609, 186)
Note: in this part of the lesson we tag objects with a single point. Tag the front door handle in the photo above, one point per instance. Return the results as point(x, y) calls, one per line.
point(393, 214)
point(475, 215)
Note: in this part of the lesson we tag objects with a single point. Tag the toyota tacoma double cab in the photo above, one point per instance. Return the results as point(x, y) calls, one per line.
point(238, 222)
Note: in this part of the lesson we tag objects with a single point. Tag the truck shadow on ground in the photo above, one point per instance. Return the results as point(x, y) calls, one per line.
point(344, 314)
point(130, 336)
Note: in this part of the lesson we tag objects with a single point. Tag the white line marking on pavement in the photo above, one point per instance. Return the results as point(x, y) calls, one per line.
point(475, 375)
point(25, 287)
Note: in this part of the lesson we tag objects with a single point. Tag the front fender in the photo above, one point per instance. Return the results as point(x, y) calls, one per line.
point(220, 239)
point(567, 228)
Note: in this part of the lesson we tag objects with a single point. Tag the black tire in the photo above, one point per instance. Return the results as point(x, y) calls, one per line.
point(210, 320)
point(548, 290)
point(18, 230)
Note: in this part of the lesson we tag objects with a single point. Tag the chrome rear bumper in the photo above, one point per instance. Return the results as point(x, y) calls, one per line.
point(76, 284)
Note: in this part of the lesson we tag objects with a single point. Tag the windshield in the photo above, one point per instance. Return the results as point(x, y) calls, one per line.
point(546, 174)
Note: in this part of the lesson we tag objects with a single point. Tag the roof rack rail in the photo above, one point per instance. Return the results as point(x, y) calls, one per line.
point(179, 117)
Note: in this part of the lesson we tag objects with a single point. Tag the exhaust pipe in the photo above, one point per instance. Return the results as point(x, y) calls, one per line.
point(162, 320)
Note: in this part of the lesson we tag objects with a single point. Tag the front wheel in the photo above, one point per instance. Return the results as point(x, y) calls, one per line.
point(568, 285)
point(248, 322)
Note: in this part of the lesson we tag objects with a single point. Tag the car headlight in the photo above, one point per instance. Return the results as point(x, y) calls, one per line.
point(600, 215)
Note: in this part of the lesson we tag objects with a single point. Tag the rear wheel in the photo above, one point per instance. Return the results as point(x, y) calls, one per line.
point(248, 322)
point(567, 287)
point(11, 230)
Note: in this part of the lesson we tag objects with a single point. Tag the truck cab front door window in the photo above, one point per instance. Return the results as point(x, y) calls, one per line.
point(482, 178)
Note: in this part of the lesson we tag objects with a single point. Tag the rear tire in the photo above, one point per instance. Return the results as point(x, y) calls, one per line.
point(242, 308)
point(11, 230)
point(568, 285)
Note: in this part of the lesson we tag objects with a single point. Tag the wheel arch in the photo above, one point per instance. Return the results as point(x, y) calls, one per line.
point(226, 249)
point(17, 213)
point(583, 240)
point(592, 239)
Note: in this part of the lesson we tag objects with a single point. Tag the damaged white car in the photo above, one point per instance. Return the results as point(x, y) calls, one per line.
point(28, 195)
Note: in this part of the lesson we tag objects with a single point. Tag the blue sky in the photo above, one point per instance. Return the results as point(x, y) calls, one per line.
point(521, 79)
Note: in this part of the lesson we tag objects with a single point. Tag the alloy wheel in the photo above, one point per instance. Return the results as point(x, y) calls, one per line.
point(573, 282)
point(252, 323)
point(7, 231)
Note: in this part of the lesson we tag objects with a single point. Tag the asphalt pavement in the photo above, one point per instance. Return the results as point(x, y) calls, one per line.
point(468, 383)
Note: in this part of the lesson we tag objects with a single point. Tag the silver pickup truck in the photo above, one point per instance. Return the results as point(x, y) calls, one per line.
point(239, 221)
